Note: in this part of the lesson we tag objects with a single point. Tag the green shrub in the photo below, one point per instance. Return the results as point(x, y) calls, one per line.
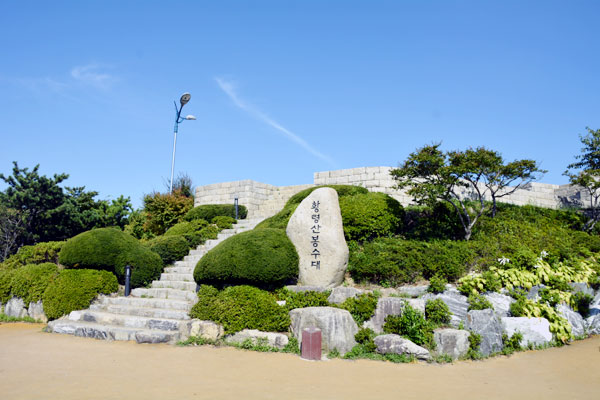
point(411, 325)
point(478, 302)
point(223, 222)
point(474, 343)
point(581, 303)
point(439, 222)
point(74, 290)
point(304, 299)
point(162, 211)
point(511, 344)
point(264, 258)
point(186, 227)
point(550, 296)
point(209, 232)
point(6, 276)
point(365, 337)
point(370, 215)
point(241, 307)
point(169, 248)
point(361, 307)
point(30, 281)
point(209, 211)
point(517, 309)
point(110, 249)
point(437, 312)
point(437, 284)
point(36, 254)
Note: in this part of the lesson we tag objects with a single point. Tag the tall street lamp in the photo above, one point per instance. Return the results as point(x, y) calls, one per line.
point(178, 119)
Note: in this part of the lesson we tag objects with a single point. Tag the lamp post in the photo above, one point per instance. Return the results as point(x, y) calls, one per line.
point(178, 119)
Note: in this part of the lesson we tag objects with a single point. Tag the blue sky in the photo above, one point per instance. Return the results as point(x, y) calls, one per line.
point(282, 89)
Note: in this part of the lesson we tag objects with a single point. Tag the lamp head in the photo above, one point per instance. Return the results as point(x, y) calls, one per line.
point(190, 117)
point(184, 99)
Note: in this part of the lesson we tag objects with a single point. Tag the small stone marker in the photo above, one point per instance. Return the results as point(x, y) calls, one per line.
point(311, 343)
point(317, 232)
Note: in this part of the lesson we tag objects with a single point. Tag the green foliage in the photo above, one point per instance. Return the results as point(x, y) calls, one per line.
point(360, 351)
point(511, 344)
point(366, 336)
point(474, 343)
point(370, 215)
point(437, 312)
point(30, 282)
point(111, 249)
point(75, 289)
point(581, 303)
point(478, 302)
point(411, 325)
point(361, 307)
point(169, 248)
point(405, 261)
point(281, 219)
point(6, 276)
point(162, 211)
point(209, 232)
point(550, 296)
point(35, 254)
point(209, 211)
point(304, 299)
point(241, 307)
point(435, 222)
point(437, 284)
point(264, 258)
point(6, 318)
point(186, 227)
point(223, 221)
point(559, 326)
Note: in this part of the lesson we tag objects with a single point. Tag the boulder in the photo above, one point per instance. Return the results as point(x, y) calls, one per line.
point(575, 319)
point(451, 342)
point(500, 302)
point(340, 294)
point(278, 340)
point(300, 289)
point(412, 291)
point(337, 326)
point(317, 232)
point(595, 306)
point(592, 325)
point(487, 324)
point(206, 329)
point(36, 311)
point(456, 302)
point(533, 293)
point(15, 307)
point(582, 287)
point(396, 344)
point(535, 331)
point(391, 306)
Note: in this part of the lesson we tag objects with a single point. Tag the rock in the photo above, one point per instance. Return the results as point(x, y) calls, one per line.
point(592, 325)
point(206, 329)
point(337, 326)
point(412, 291)
point(15, 307)
point(575, 319)
point(340, 294)
point(451, 342)
point(391, 306)
point(487, 324)
point(500, 302)
point(396, 344)
point(533, 293)
point(317, 232)
point(299, 289)
point(36, 311)
point(535, 331)
point(456, 302)
point(278, 340)
point(595, 306)
point(582, 287)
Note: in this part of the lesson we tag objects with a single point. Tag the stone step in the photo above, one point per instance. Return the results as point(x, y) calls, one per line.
point(197, 252)
point(181, 285)
point(168, 276)
point(164, 293)
point(141, 311)
point(169, 304)
point(109, 332)
point(179, 270)
point(193, 259)
point(127, 321)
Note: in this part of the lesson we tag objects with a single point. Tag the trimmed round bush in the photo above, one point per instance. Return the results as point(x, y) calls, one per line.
point(30, 282)
point(35, 254)
point(437, 312)
point(6, 284)
point(209, 211)
point(223, 222)
point(74, 290)
point(169, 248)
point(241, 307)
point(111, 249)
point(369, 215)
point(186, 227)
point(263, 258)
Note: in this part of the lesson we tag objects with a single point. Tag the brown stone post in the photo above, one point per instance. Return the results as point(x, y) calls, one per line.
point(311, 343)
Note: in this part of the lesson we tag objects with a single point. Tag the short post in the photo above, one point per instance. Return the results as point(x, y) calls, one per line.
point(311, 343)
point(235, 202)
point(127, 280)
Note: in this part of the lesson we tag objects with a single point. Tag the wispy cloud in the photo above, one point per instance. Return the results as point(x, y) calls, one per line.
point(92, 74)
point(229, 88)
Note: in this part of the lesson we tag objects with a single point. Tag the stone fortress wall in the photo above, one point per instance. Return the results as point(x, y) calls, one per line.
point(264, 200)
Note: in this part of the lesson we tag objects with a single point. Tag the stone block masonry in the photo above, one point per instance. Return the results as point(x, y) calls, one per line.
point(264, 200)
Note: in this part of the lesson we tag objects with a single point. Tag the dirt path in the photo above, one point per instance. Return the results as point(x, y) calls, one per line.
point(37, 365)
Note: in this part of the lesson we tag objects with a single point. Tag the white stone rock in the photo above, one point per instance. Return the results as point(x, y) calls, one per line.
point(206, 329)
point(500, 302)
point(340, 294)
point(535, 331)
point(487, 324)
point(15, 307)
point(451, 342)
point(396, 344)
point(337, 326)
point(273, 339)
point(574, 318)
point(36, 311)
point(319, 241)
point(391, 306)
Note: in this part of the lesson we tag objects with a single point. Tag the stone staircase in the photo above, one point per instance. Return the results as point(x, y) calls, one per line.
point(149, 315)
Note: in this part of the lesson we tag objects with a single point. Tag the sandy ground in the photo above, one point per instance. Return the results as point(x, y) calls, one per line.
point(38, 365)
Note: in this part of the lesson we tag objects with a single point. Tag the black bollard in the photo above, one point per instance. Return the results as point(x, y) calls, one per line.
point(127, 280)
point(235, 202)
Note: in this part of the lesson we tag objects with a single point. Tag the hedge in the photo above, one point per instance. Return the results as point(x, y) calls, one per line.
point(111, 249)
point(369, 215)
point(209, 211)
point(169, 248)
point(263, 258)
point(183, 228)
point(241, 307)
point(223, 222)
point(30, 282)
point(74, 290)
point(35, 254)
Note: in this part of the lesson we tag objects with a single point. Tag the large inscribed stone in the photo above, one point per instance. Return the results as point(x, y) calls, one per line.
point(317, 232)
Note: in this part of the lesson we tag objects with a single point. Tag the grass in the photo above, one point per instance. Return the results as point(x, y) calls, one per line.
point(6, 318)
point(260, 345)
